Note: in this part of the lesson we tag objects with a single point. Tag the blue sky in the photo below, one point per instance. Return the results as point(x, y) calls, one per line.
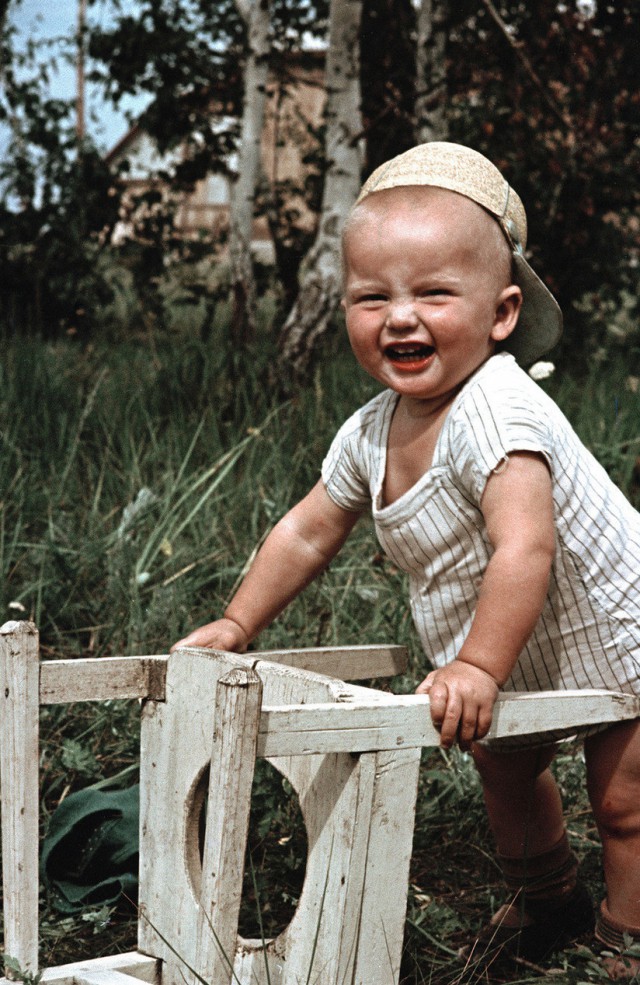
point(49, 19)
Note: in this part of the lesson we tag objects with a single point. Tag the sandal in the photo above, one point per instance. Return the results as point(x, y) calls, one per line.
point(552, 925)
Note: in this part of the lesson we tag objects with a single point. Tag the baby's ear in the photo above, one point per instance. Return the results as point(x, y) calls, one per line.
point(507, 311)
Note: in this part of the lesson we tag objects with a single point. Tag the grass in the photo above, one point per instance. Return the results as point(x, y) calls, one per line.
point(136, 484)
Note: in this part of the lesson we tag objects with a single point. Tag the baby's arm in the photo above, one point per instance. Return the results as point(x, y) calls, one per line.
point(518, 510)
point(298, 548)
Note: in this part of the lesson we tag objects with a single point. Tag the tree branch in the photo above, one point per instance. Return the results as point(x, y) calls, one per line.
point(528, 67)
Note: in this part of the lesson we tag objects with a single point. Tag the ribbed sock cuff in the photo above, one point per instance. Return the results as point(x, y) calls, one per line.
point(611, 932)
point(549, 875)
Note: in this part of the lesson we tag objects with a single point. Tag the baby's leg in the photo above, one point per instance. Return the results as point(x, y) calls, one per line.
point(613, 777)
point(522, 799)
point(548, 907)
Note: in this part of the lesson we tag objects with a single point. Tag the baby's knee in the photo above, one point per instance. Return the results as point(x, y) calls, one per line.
point(616, 808)
point(613, 779)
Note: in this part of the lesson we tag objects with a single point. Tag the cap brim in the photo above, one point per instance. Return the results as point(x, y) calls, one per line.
point(540, 322)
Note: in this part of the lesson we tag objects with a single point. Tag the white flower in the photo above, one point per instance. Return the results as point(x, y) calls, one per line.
point(541, 371)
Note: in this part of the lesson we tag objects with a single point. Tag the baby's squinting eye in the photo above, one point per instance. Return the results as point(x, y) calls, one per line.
point(371, 298)
point(435, 292)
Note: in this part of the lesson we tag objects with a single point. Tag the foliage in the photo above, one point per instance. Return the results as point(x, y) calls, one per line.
point(57, 203)
point(277, 843)
point(185, 54)
point(387, 78)
point(551, 97)
point(548, 93)
point(189, 56)
point(136, 481)
point(18, 974)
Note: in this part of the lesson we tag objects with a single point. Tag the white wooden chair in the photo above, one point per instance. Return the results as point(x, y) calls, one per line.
point(351, 753)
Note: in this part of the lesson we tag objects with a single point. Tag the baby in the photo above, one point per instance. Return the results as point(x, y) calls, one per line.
point(522, 555)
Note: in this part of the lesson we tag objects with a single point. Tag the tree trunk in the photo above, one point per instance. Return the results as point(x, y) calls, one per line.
point(256, 16)
point(431, 71)
point(321, 286)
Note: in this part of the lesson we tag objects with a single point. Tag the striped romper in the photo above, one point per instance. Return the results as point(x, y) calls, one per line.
point(588, 634)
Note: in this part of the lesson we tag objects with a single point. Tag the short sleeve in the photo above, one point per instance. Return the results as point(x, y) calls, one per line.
point(342, 470)
point(352, 467)
point(494, 421)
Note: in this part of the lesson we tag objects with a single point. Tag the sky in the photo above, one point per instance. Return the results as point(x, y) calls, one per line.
point(49, 19)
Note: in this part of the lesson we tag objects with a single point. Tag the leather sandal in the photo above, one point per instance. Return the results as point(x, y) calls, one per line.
point(552, 925)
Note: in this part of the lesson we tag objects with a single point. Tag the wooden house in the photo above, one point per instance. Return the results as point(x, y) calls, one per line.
point(293, 116)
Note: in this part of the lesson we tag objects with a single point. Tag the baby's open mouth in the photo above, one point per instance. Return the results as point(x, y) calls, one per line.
point(408, 352)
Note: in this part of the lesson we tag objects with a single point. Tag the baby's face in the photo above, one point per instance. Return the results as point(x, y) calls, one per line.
point(427, 289)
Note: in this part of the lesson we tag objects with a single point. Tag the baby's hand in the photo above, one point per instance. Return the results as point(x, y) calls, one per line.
point(223, 634)
point(461, 697)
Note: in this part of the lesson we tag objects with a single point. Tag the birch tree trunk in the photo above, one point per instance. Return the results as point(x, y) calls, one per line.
point(255, 13)
point(321, 285)
point(431, 71)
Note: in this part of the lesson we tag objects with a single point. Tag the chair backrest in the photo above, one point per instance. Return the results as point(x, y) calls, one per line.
point(202, 708)
point(343, 798)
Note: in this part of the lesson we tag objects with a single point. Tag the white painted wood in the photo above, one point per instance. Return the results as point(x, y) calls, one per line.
point(335, 800)
point(132, 964)
point(19, 738)
point(403, 721)
point(336, 794)
point(108, 678)
point(351, 754)
point(522, 714)
point(386, 868)
point(237, 717)
point(305, 730)
point(176, 742)
point(355, 868)
point(347, 663)
point(103, 976)
point(102, 679)
point(346, 810)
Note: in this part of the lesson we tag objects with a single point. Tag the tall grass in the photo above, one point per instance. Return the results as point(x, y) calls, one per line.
point(135, 486)
point(136, 483)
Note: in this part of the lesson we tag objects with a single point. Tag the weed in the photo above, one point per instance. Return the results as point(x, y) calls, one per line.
point(18, 973)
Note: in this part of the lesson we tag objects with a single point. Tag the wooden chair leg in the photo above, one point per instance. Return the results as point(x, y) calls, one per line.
point(19, 773)
point(237, 719)
point(384, 899)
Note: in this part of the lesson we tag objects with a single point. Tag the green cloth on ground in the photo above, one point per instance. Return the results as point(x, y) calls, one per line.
point(90, 852)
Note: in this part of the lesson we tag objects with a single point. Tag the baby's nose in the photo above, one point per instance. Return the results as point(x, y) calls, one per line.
point(402, 315)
